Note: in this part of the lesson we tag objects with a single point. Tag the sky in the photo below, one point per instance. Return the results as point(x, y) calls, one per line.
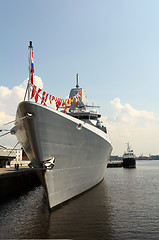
point(112, 44)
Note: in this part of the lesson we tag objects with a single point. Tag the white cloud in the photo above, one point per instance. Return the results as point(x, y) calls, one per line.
point(138, 127)
point(4, 118)
point(126, 113)
point(9, 100)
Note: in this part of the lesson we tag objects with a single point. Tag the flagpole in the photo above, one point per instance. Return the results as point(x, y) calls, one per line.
point(31, 47)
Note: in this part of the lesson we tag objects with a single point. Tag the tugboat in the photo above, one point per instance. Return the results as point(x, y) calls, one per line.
point(129, 160)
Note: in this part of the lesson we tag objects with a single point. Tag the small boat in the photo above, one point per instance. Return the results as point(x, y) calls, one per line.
point(114, 164)
point(129, 160)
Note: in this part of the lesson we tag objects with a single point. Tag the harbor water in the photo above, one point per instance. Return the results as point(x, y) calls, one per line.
point(125, 205)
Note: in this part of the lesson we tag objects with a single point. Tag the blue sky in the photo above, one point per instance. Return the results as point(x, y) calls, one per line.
point(113, 45)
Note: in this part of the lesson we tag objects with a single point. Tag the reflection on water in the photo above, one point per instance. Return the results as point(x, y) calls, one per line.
point(19, 216)
point(85, 217)
point(123, 206)
point(134, 194)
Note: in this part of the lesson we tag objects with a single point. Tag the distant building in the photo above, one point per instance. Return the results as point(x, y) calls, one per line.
point(9, 157)
point(154, 157)
point(115, 158)
point(142, 158)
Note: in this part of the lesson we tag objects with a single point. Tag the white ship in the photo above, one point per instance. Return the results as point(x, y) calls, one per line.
point(72, 147)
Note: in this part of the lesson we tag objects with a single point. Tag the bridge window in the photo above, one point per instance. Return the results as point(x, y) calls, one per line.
point(92, 117)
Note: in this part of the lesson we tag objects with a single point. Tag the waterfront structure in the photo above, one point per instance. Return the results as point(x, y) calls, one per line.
point(9, 157)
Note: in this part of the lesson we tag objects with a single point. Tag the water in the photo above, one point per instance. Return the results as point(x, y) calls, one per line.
point(123, 206)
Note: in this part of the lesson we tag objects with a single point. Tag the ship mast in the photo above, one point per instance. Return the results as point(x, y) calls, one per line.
point(77, 86)
point(28, 89)
point(128, 147)
point(29, 81)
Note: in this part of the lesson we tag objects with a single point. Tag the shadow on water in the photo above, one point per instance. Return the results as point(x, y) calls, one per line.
point(85, 217)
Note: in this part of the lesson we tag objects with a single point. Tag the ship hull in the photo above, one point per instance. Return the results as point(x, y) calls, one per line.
point(129, 163)
point(80, 150)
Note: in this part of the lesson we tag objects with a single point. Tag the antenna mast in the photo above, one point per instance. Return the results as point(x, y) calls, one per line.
point(77, 86)
point(31, 48)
